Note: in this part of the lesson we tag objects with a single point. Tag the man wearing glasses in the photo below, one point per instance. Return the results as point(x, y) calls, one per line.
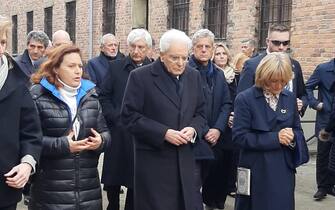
point(278, 40)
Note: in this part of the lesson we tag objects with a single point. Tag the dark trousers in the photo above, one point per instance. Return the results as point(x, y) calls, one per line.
point(324, 179)
point(221, 178)
point(113, 196)
point(12, 207)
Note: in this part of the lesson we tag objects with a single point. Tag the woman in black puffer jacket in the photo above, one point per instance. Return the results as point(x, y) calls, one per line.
point(74, 135)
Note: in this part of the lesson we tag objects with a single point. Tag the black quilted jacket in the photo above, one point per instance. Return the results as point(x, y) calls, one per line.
point(64, 180)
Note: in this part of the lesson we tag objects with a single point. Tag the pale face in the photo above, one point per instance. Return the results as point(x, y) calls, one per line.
point(110, 47)
point(71, 70)
point(175, 58)
point(3, 44)
point(35, 49)
point(247, 50)
point(138, 51)
point(275, 86)
point(220, 57)
point(278, 36)
point(203, 50)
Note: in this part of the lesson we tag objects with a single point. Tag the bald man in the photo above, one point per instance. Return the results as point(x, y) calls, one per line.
point(60, 37)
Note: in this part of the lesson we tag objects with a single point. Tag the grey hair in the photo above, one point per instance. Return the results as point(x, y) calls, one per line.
point(137, 34)
point(249, 42)
point(104, 37)
point(38, 36)
point(171, 36)
point(202, 33)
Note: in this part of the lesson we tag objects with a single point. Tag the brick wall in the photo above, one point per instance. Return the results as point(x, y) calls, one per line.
point(312, 31)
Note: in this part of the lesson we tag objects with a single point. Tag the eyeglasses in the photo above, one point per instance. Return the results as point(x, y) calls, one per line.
point(278, 43)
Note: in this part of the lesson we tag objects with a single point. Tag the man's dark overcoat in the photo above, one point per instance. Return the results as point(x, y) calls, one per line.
point(20, 132)
point(164, 173)
point(119, 158)
point(26, 65)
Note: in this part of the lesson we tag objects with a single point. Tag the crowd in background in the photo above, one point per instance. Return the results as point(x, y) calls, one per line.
point(180, 132)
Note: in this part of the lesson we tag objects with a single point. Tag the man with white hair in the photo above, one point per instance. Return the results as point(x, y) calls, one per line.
point(60, 37)
point(118, 159)
point(98, 67)
point(163, 107)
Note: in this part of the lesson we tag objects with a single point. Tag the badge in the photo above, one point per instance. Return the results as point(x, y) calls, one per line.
point(283, 111)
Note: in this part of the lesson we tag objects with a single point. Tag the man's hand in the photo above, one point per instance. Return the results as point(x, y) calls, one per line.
point(300, 104)
point(231, 120)
point(177, 137)
point(94, 141)
point(286, 136)
point(319, 106)
point(324, 135)
point(18, 176)
point(189, 132)
point(213, 135)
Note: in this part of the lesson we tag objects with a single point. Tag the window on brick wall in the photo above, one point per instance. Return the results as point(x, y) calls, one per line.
point(216, 17)
point(273, 11)
point(108, 25)
point(14, 34)
point(71, 20)
point(30, 21)
point(179, 14)
point(48, 21)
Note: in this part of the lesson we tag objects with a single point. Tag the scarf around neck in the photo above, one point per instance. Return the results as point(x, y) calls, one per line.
point(3, 70)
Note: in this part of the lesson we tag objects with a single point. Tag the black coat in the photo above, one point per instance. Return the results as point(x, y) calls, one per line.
point(118, 167)
point(218, 104)
point(98, 67)
point(67, 180)
point(20, 132)
point(247, 78)
point(164, 173)
point(25, 64)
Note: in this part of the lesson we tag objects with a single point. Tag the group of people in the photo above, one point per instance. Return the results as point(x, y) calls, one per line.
point(178, 132)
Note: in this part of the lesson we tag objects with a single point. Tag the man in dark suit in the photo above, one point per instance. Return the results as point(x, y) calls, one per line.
point(118, 159)
point(163, 108)
point(278, 40)
point(97, 67)
point(218, 108)
point(32, 57)
point(322, 78)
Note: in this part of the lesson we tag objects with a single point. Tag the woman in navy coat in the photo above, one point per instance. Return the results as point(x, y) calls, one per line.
point(266, 127)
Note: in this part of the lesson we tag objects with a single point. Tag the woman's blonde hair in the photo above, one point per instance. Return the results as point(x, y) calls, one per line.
point(239, 60)
point(4, 27)
point(276, 65)
point(221, 44)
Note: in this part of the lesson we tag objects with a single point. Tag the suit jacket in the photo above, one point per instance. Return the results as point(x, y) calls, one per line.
point(26, 65)
point(20, 132)
point(322, 78)
point(247, 78)
point(164, 173)
point(272, 165)
point(98, 67)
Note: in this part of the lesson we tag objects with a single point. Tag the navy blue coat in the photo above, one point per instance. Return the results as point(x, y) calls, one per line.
point(247, 78)
point(164, 173)
point(219, 110)
point(322, 78)
point(98, 67)
point(272, 166)
point(25, 64)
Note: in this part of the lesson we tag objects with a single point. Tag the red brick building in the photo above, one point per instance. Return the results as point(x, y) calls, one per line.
point(312, 21)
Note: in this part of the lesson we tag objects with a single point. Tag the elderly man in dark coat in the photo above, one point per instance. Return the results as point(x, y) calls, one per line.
point(98, 67)
point(32, 57)
point(278, 41)
point(322, 78)
point(118, 160)
point(20, 133)
point(163, 108)
point(218, 108)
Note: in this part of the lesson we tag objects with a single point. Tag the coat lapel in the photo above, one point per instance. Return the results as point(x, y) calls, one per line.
point(164, 83)
point(270, 115)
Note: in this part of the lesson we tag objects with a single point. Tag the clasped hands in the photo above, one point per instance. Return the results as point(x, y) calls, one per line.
point(181, 137)
point(89, 143)
point(286, 136)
